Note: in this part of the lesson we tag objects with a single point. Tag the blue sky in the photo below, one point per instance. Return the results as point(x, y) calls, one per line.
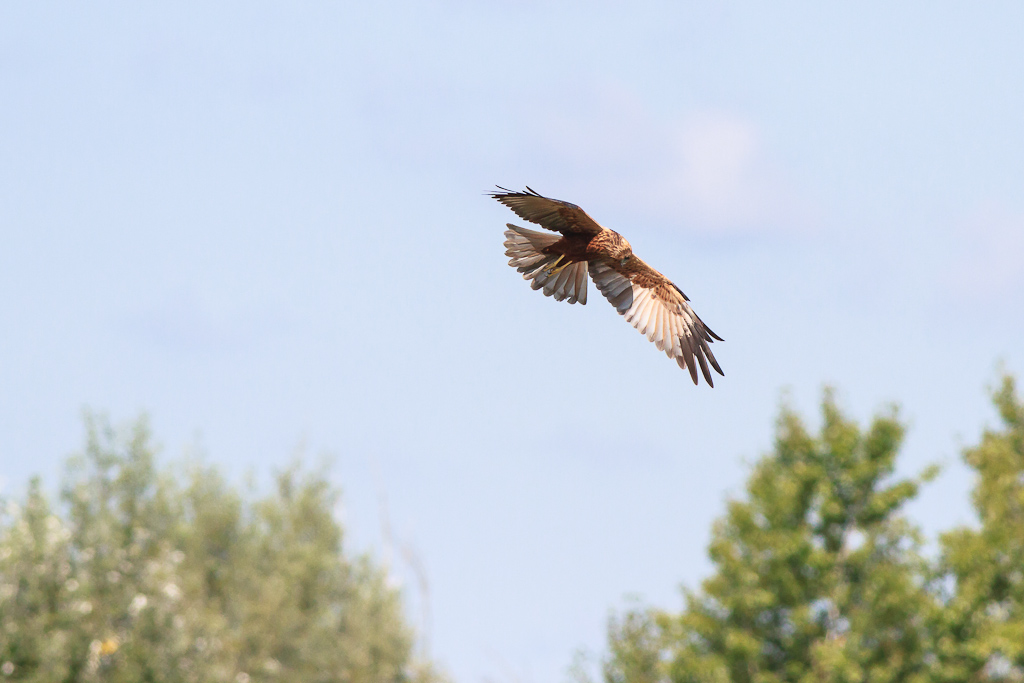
point(264, 224)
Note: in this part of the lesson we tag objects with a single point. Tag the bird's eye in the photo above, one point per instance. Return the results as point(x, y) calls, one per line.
point(625, 260)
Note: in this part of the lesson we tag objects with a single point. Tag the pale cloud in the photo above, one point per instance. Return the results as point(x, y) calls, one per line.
point(719, 177)
point(708, 171)
point(716, 158)
point(986, 255)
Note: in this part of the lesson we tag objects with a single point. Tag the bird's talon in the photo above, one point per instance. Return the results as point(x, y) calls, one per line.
point(551, 270)
point(559, 269)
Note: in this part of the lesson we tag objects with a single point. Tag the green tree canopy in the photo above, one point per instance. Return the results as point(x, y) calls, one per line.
point(141, 575)
point(982, 632)
point(817, 574)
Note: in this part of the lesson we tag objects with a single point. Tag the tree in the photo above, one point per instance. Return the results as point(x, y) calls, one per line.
point(817, 575)
point(140, 576)
point(982, 630)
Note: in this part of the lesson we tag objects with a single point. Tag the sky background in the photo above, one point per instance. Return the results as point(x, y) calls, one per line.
point(264, 224)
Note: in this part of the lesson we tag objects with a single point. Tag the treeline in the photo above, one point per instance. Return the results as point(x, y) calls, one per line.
point(148, 574)
point(142, 573)
point(819, 576)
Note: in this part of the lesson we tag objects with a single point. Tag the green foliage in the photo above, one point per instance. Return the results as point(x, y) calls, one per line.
point(817, 575)
point(982, 630)
point(145, 576)
point(141, 574)
point(637, 648)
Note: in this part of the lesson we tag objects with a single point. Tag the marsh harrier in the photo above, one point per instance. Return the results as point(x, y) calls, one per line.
point(559, 264)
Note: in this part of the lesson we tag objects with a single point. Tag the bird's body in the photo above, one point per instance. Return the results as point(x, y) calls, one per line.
point(560, 265)
point(577, 247)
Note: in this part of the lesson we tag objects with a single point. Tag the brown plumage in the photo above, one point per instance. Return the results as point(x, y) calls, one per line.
point(560, 265)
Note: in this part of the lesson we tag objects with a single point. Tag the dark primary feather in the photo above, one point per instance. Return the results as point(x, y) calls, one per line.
point(552, 214)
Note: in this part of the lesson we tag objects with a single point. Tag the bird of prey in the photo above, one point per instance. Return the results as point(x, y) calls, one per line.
point(559, 264)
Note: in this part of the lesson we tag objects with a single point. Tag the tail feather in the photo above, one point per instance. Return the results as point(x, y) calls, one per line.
point(525, 247)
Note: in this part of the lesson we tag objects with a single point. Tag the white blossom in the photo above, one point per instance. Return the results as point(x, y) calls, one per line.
point(138, 604)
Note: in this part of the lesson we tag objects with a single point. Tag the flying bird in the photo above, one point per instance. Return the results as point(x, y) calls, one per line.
point(559, 264)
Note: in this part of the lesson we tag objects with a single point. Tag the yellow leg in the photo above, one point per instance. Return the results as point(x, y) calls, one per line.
point(552, 271)
point(559, 269)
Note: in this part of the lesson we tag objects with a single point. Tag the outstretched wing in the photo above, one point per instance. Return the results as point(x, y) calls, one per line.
point(552, 214)
point(658, 309)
